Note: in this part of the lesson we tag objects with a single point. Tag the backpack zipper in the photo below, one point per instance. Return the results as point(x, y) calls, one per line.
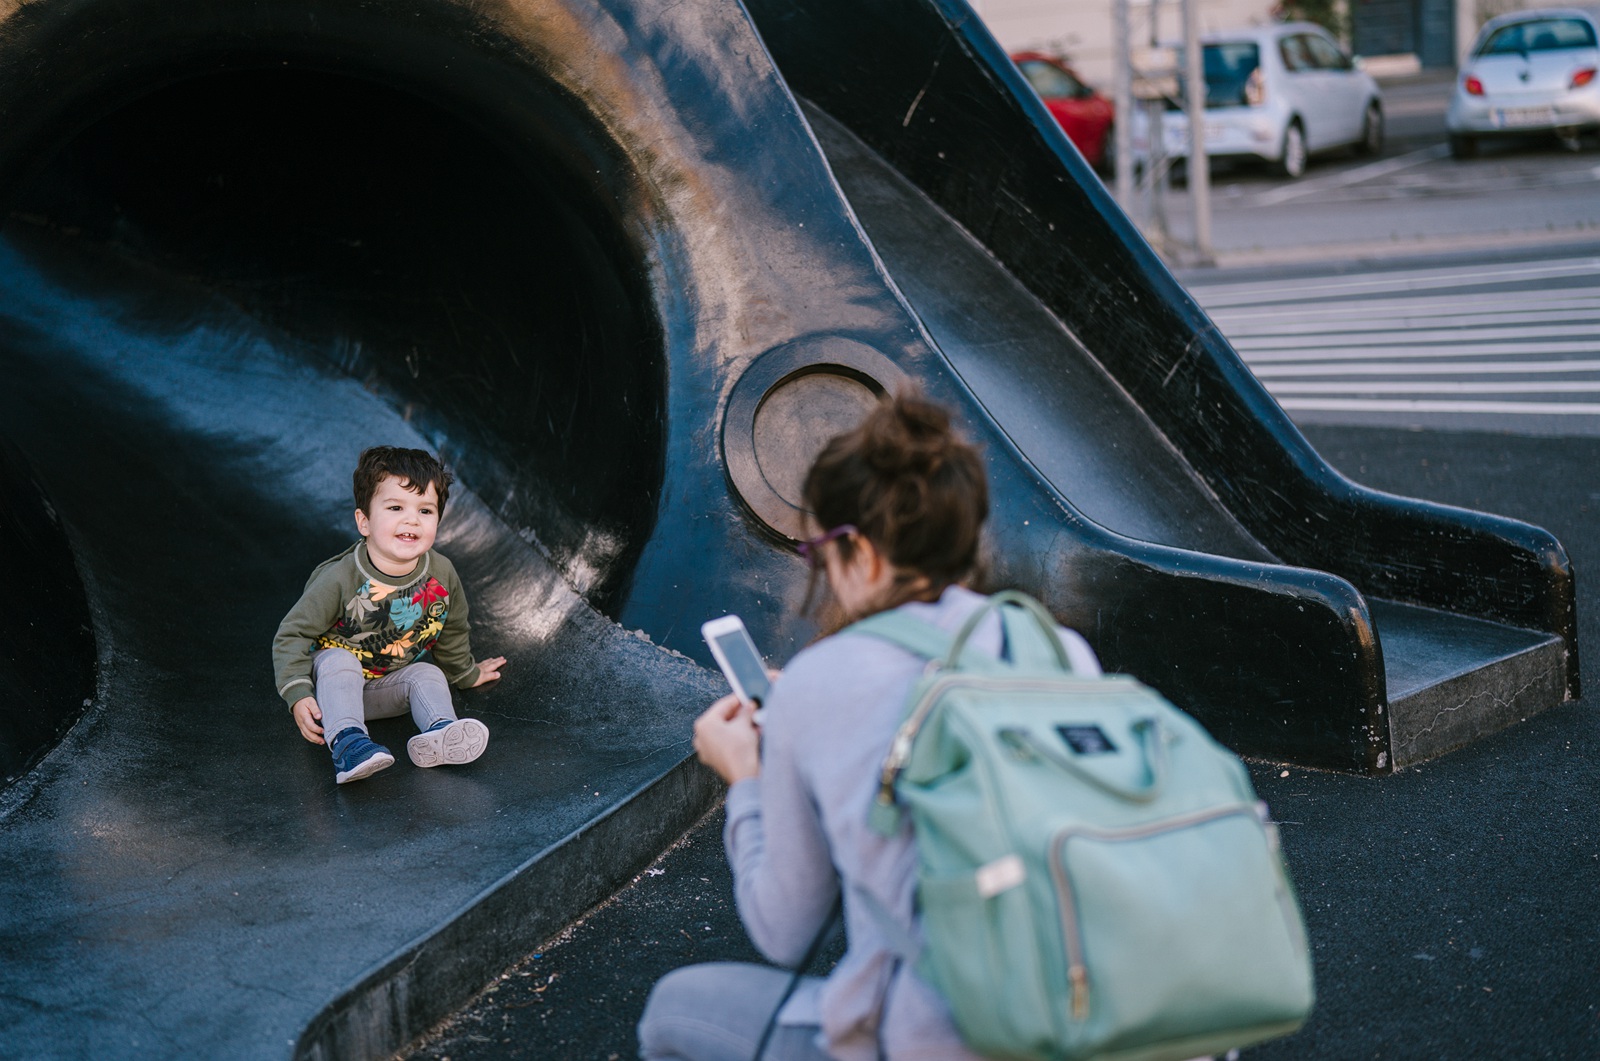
point(1077, 970)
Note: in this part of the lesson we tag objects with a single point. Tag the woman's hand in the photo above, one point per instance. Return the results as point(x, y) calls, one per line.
point(726, 739)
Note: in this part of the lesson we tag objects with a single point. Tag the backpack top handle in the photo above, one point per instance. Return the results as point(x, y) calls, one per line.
point(1033, 643)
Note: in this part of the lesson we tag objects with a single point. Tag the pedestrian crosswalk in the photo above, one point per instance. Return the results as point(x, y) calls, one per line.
point(1464, 341)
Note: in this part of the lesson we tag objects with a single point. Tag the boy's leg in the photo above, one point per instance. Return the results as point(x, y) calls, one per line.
point(445, 739)
point(340, 698)
point(419, 687)
point(337, 676)
point(718, 1012)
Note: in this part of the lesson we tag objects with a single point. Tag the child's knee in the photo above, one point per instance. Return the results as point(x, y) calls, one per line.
point(426, 673)
point(333, 661)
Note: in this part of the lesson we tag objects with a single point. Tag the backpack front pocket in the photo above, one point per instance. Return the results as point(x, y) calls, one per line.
point(1178, 928)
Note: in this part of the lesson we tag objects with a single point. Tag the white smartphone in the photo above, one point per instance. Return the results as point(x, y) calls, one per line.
point(737, 656)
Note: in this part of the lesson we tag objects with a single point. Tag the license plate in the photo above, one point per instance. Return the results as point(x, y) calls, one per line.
point(1519, 117)
point(1178, 139)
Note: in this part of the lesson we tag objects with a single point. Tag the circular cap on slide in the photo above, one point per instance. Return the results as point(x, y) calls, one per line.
point(784, 409)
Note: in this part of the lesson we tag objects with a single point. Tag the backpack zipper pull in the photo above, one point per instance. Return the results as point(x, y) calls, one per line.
point(1079, 976)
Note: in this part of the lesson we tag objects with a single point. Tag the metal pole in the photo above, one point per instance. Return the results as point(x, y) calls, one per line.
point(1122, 101)
point(1157, 168)
point(1156, 164)
point(1194, 104)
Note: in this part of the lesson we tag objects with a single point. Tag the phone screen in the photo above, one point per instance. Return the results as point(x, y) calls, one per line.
point(746, 671)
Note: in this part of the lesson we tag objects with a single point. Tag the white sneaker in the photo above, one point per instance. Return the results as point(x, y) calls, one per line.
point(449, 743)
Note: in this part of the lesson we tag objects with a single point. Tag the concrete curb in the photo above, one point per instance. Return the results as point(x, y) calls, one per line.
point(430, 978)
point(1323, 254)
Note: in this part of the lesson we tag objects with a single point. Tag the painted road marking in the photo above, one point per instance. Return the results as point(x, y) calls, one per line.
point(1425, 405)
point(1302, 188)
point(1417, 342)
point(1223, 295)
point(1435, 368)
point(1443, 386)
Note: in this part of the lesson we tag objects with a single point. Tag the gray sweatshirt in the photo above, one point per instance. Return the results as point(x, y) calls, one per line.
point(800, 828)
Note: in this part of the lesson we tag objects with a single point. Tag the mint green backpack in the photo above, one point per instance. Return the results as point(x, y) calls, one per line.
point(1096, 877)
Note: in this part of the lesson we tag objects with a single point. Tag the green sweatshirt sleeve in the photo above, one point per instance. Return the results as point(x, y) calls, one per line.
point(452, 653)
point(313, 615)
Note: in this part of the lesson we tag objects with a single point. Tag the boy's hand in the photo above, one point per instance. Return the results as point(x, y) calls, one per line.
point(489, 671)
point(306, 715)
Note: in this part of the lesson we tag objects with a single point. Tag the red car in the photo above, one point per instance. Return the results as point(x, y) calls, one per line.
point(1084, 114)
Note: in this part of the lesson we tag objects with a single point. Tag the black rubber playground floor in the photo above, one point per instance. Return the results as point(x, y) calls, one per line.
point(1454, 908)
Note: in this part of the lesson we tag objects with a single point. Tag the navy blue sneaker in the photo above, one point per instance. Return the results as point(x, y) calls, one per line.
point(451, 742)
point(356, 755)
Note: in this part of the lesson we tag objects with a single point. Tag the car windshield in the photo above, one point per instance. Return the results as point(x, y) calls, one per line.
point(1540, 35)
point(1228, 68)
point(1051, 82)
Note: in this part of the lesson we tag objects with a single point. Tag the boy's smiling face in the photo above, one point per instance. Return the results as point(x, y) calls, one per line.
point(401, 525)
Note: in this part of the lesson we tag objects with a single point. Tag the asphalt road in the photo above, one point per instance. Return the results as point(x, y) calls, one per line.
point(1412, 200)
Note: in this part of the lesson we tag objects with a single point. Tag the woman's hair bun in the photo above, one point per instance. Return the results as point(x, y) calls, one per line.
point(909, 483)
point(908, 435)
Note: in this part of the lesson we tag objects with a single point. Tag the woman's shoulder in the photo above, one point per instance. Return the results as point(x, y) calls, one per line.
point(842, 658)
point(851, 661)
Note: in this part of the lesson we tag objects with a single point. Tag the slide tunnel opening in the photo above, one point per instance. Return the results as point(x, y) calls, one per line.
point(477, 281)
point(481, 285)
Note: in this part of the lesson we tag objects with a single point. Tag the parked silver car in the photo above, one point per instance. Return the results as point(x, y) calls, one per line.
point(1278, 93)
point(1531, 71)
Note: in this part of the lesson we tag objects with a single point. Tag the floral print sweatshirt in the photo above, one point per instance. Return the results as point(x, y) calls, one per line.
point(384, 622)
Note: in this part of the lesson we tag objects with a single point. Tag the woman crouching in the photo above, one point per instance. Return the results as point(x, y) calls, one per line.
point(899, 505)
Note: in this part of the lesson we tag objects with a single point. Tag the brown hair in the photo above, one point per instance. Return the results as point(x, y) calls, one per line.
point(415, 468)
point(912, 486)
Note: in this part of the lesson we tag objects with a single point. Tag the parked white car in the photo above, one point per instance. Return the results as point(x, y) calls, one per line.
point(1528, 72)
point(1278, 93)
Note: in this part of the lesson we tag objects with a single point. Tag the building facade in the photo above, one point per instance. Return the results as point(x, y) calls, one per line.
point(1436, 32)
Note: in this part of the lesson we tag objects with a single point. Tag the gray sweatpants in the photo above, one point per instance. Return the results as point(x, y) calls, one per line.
point(717, 1012)
point(346, 698)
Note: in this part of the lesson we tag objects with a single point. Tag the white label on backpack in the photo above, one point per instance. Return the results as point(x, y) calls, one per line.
point(1001, 875)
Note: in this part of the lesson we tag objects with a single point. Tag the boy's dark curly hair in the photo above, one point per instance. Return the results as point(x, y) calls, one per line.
point(415, 468)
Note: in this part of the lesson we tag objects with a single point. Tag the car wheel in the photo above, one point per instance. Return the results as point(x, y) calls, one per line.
point(1371, 142)
point(1463, 146)
point(1292, 163)
point(1108, 152)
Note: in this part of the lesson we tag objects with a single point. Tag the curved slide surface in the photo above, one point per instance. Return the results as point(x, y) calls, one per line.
point(625, 264)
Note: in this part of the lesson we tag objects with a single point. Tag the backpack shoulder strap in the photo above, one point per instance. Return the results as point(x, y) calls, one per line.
point(1030, 635)
point(910, 633)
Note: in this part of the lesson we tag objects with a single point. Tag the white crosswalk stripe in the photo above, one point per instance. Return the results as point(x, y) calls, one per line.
point(1485, 339)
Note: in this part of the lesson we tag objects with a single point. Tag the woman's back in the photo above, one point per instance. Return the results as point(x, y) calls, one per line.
point(828, 727)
